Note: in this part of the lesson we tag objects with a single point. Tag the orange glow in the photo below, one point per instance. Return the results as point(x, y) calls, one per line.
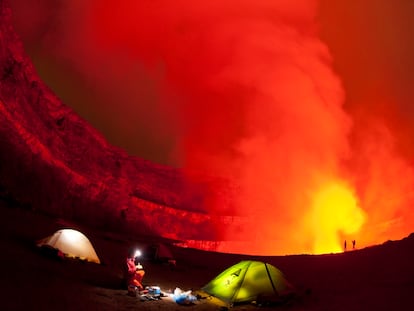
point(335, 212)
point(274, 96)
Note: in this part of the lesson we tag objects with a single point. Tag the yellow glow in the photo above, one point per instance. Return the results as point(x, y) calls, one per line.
point(72, 236)
point(335, 213)
point(243, 293)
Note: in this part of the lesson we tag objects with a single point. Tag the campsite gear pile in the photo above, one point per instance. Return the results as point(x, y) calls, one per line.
point(183, 297)
point(249, 281)
point(151, 293)
point(154, 291)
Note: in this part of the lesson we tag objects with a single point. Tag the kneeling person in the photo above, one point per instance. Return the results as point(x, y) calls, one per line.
point(135, 272)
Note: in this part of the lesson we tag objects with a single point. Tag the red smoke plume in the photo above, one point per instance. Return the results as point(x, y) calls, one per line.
point(241, 89)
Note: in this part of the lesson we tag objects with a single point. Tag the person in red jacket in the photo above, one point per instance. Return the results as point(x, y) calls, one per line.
point(135, 272)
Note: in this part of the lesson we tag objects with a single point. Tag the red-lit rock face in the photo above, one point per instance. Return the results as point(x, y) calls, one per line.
point(54, 161)
point(248, 92)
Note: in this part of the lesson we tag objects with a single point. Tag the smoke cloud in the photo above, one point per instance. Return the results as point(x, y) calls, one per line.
point(247, 90)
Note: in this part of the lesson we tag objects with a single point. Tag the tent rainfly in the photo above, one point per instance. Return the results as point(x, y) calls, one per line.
point(72, 244)
point(247, 281)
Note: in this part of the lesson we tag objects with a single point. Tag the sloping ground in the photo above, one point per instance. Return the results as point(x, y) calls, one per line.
point(52, 160)
point(376, 278)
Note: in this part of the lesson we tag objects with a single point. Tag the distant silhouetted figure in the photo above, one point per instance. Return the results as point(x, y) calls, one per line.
point(353, 244)
point(345, 245)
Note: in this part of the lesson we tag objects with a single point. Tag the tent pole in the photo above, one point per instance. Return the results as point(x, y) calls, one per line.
point(271, 281)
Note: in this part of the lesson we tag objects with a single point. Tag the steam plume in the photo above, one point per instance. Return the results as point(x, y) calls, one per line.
point(240, 89)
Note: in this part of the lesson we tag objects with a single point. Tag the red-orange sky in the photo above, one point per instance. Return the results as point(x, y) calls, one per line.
point(305, 104)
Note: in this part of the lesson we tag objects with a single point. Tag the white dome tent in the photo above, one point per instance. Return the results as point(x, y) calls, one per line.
point(72, 244)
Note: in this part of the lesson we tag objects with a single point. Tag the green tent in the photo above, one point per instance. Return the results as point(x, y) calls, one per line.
point(247, 281)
